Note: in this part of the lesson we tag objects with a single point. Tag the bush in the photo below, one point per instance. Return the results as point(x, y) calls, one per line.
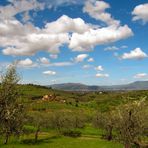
point(28, 130)
point(67, 120)
point(71, 133)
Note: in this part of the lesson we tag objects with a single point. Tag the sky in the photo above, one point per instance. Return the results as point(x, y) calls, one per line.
point(94, 42)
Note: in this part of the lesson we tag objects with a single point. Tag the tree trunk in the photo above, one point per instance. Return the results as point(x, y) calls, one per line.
point(36, 134)
point(6, 139)
point(110, 137)
point(127, 145)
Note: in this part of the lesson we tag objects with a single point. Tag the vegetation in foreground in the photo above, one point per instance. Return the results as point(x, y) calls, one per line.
point(70, 119)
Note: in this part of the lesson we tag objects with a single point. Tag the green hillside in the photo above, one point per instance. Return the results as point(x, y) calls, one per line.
point(82, 106)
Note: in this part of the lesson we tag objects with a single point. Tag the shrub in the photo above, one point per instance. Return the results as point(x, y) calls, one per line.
point(71, 133)
point(67, 120)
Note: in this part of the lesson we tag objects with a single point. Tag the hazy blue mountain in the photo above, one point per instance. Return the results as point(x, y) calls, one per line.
point(138, 85)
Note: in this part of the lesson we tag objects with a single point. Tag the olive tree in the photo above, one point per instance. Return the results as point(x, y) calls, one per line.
point(106, 121)
point(39, 120)
point(67, 123)
point(11, 108)
point(132, 122)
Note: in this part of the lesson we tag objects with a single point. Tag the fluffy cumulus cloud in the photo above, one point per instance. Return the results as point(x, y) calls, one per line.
point(99, 68)
point(140, 12)
point(24, 39)
point(93, 37)
point(141, 75)
point(19, 6)
point(134, 54)
point(97, 36)
point(26, 63)
point(49, 72)
point(66, 24)
point(18, 39)
point(102, 75)
point(43, 61)
point(81, 57)
point(96, 9)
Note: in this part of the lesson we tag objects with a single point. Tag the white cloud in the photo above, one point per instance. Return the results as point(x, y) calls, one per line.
point(20, 39)
point(134, 54)
point(81, 57)
point(26, 39)
point(71, 25)
point(26, 17)
point(140, 12)
point(93, 37)
point(60, 64)
point(141, 75)
point(19, 6)
point(99, 68)
point(49, 72)
point(44, 60)
point(98, 36)
point(53, 56)
point(26, 63)
point(100, 75)
point(86, 66)
point(111, 48)
point(96, 9)
point(90, 60)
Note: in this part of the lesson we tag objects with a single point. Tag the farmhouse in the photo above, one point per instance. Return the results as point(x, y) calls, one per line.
point(47, 97)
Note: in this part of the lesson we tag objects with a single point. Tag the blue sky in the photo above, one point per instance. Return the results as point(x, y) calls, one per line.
point(93, 42)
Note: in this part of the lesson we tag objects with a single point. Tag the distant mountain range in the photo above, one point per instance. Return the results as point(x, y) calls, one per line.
point(138, 85)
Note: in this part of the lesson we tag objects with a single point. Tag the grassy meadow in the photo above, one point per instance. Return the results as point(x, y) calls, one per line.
point(85, 103)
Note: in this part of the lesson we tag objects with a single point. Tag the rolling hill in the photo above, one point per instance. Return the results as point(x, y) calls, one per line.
point(138, 85)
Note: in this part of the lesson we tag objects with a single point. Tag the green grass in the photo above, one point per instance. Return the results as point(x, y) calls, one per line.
point(88, 100)
point(89, 130)
point(91, 138)
point(89, 103)
point(64, 142)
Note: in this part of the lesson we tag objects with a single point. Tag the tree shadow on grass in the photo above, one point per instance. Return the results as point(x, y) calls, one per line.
point(40, 141)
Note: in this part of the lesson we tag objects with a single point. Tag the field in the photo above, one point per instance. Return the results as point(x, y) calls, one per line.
point(90, 139)
point(86, 103)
